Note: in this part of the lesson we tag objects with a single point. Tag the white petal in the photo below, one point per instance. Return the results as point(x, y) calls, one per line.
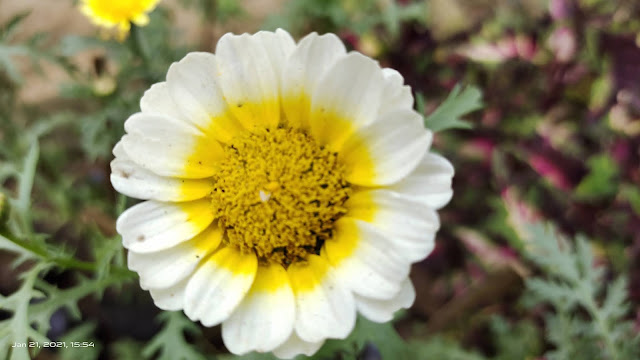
point(157, 101)
point(430, 182)
point(152, 226)
point(382, 310)
point(410, 224)
point(279, 46)
point(193, 84)
point(264, 319)
point(132, 180)
point(158, 126)
point(218, 286)
point(163, 269)
point(171, 298)
point(249, 80)
point(308, 63)
point(324, 309)
point(118, 152)
point(387, 150)
point(364, 259)
point(345, 99)
point(295, 346)
point(396, 96)
point(170, 147)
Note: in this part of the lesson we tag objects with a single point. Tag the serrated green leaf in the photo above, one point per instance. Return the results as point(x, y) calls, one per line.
point(23, 254)
point(566, 333)
point(576, 284)
point(459, 103)
point(514, 341)
point(544, 248)
point(40, 313)
point(81, 333)
point(615, 302)
point(586, 265)
point(170, 343)
point(17, 329)
point(559, 294)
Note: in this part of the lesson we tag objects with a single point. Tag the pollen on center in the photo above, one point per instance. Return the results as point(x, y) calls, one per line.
point(278, 193)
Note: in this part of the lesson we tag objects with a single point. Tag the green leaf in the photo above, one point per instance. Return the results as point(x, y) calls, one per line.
point(548, 251)
point(395, 14)
point(437, 348)
point(459, 103)
point(40, 313)
point(7, 52)
point(17, 329)
point(514, 341)
point(632, 194)
point(126, 349)
point(600, 92)
point(574, 286)
point(567, 333)
point(23, 254)
point(558, 293)
point(10, 27)
point(81, 333)
point(170, 342)
point(252, 356)
point(32, 306)
point(601, 180)
point(615, 304)
point(383, 336)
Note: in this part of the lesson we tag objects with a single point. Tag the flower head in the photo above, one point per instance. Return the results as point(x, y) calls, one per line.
point(288, 186)
point(120, 13)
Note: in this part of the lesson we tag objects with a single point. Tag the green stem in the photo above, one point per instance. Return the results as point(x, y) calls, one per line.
point(603, 328)
point(25, 186)
point(63, 262)
point(138, 45)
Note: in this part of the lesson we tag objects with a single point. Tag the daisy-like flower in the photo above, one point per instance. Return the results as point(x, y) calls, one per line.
point(288, 187)
point(118, 13)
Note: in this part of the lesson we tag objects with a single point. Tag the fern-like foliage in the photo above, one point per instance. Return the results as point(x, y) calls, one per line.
point(32, 306)
point(17, 328)
point(170, 343)
point(589, 317)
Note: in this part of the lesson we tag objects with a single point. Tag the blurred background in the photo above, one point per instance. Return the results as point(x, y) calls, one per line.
point(538, 255)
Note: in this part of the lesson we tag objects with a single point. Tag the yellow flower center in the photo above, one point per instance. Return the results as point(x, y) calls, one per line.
point(278, 193)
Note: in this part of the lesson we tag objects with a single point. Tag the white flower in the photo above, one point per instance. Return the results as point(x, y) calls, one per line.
point(287, 185)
